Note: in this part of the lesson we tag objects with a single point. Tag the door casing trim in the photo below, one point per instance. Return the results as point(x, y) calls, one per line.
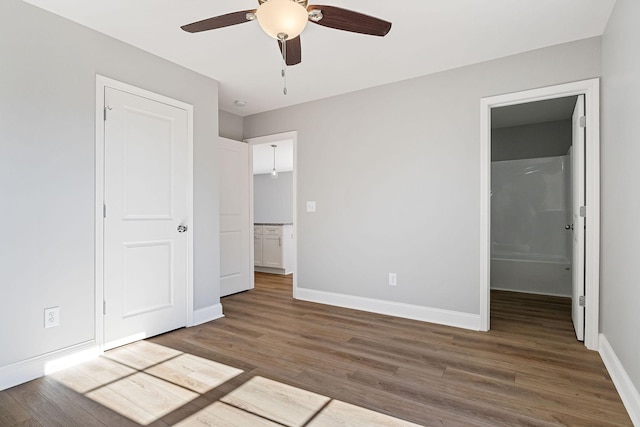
point(591, 89)
point(103, 82)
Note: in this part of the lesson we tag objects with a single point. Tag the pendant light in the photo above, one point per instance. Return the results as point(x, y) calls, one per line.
point(274, 172)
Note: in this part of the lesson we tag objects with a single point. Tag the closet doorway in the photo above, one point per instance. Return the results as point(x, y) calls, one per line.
point(540, 186)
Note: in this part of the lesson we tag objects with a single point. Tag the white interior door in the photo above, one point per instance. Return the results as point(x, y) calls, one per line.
point(578, 196)
point(145, 237)
point(236, 271)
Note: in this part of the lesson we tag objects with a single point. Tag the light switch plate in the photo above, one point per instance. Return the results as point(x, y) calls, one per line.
point(311, 206)
point(393, 279)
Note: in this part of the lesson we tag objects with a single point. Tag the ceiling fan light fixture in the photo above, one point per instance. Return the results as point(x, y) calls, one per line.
point(282, 17)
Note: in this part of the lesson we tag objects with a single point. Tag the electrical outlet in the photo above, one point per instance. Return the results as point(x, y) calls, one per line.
point(311, 206)
point(51, 317)
point(393, 279)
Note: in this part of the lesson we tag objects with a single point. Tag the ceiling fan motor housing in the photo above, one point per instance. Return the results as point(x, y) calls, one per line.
point(303, 3)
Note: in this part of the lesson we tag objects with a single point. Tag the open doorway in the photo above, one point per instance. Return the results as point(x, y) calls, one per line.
point(531, 179)
point(533, 174)
point(273, 214)
point(273, 207)
point(540, 232)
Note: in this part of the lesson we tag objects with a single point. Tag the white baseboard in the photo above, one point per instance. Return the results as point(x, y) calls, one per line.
point(36, 367)
point(408, 311)
point(271, 270)
point(530, 292)
point(207, 314)
point(628, 392)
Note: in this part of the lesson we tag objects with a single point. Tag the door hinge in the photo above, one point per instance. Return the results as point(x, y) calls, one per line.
point(583, 122)
point(105, 114)
point(582, 301)
point(104, 308)
point(583, 211)
point(104, 210)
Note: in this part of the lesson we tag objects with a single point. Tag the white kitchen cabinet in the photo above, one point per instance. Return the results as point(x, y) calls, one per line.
point(273, 248)
point(257, 245)
point(272, 255)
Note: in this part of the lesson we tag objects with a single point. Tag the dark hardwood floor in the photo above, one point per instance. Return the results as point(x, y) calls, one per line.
point(529, 370)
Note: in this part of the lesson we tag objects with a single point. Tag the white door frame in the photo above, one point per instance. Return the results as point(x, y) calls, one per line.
point(270, 139)
point(102, 83)
point(591, 90)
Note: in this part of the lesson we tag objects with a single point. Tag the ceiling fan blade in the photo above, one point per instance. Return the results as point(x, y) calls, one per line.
point(221, 21)
point(347, 20)
point(294, 51)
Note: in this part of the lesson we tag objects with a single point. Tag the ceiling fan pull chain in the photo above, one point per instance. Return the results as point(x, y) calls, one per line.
point(284, 65)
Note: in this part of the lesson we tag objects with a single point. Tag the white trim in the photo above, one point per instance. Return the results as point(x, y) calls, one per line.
point(36, 367)
point(592, 235)
point(268, 139)
point(591, 90)
point(252, 249)
point(207, 314)
point(485, 215)
point(101, 83)
point(626, 389)
point(272, 270)
point(390, 308)
point(190, 247)
point(549, 294)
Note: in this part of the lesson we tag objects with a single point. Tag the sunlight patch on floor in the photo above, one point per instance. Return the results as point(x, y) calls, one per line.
point(194, 373)
point(141, 354)
point(275, 401)
point(144, 382)
point(92, 375)
point(142, 397)
point(338, 413)
point(261, 401)
point(221, 414)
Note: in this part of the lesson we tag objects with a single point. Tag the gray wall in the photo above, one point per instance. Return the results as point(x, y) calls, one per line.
point(395, 172)
point(273, 198)
point(47, 144)
point(547, 139)
point(620, 207)
point(230, 125)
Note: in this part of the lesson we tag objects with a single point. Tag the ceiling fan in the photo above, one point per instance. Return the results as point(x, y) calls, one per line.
point(284, 20)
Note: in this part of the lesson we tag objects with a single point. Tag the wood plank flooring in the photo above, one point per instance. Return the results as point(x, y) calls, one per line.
point(275, 361)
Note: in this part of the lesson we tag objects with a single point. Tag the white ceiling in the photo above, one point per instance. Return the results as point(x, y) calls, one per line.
point(263, 157)
point(427, 36)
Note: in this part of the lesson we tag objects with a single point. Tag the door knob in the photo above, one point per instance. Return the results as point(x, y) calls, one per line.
point(568, 227)
point(182, 228)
